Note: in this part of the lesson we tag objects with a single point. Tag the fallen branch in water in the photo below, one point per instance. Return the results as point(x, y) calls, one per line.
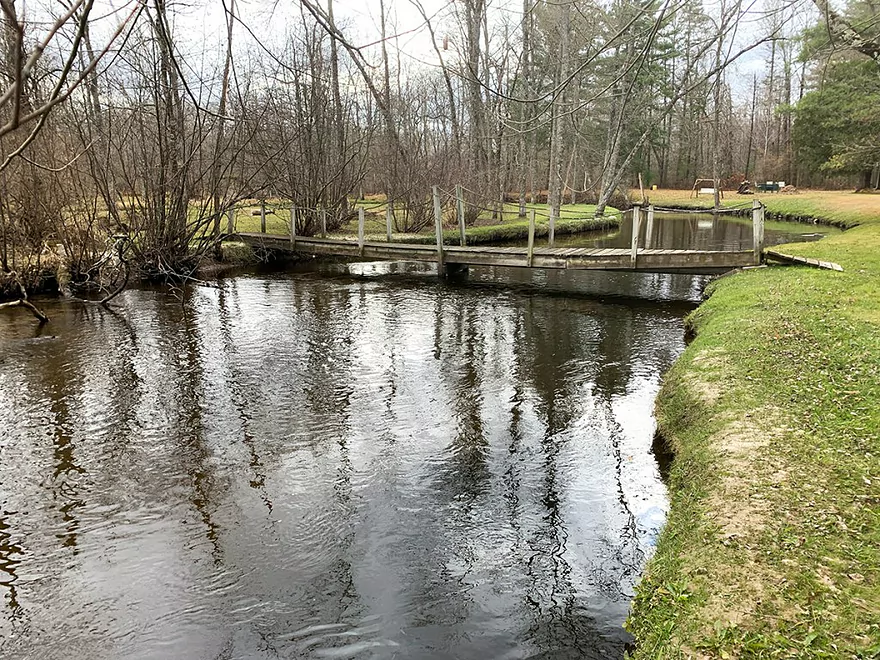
point(121, 243)
point(24, 303)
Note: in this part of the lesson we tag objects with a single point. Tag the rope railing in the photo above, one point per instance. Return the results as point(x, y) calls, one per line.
point(440, 197)
point(493, 207)
point(726, 209)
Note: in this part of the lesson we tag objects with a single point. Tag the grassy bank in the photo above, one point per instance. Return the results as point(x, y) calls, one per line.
point(772, 546)
point(573, 219)
point(835, 207)
point(515, 231)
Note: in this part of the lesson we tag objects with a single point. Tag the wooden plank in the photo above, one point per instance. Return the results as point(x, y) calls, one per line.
point(459, 211)
point(438, 228)
point(636, 223)
point(686, 261)
point(531, 248)
point(803, 261)
point(757, 230)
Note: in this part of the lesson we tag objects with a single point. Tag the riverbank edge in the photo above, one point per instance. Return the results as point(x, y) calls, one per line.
point(518, 231)
point(772, 214)
point(771, 543)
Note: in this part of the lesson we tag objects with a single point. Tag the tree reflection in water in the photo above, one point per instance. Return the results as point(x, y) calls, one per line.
point(302, 466)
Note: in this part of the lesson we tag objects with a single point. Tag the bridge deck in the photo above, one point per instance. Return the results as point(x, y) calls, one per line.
point(647, 260)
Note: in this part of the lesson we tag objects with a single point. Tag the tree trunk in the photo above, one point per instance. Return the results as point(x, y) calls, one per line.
point(556, 150)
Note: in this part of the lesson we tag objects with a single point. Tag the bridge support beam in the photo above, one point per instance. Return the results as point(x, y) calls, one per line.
point(453, 271)
point(758, 230)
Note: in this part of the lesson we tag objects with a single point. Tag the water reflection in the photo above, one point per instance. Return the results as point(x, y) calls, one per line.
point(696, 231)
point(309, 466)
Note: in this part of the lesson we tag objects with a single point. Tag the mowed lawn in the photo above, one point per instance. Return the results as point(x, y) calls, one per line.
point(838, 207)
point(487, 227)
point(772, 545)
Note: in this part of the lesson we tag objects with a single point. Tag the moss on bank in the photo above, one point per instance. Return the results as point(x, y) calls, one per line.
point(772, 545)
point(515, 231)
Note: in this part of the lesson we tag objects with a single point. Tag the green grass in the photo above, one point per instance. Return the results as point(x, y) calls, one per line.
point(572, 219)
point(514, 231)
point(772, 545)
point(833, 207)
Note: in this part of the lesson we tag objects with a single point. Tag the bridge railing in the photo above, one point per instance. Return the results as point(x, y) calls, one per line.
point(758, 211)
point(457, 200)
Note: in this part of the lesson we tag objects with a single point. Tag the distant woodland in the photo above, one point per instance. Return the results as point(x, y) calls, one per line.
point(122, 140)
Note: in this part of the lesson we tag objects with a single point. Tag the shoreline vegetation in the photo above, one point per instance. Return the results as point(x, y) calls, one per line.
point(772, 543)
point(574, 219)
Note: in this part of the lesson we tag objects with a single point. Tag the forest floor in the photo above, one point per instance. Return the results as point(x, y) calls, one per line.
point(772, 544)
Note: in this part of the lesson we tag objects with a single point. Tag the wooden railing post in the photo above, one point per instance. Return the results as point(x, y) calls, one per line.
point(531, 236)
point(459, 205)
point(230, 220)
point(758, 230)
point(438, 228)
point(292, 227)
point(649, 227)
point(389, 218)
point(323, 223)
point(361, 230)
point(263, 216)
point(636, 224)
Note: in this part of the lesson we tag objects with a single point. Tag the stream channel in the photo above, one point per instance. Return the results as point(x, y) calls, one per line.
point(340, 461)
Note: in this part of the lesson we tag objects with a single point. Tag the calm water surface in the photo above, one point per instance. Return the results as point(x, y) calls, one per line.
point(341, 462)
point(304, 465)
point(695, 231)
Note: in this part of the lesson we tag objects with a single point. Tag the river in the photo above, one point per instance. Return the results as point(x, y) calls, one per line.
point(335, 462)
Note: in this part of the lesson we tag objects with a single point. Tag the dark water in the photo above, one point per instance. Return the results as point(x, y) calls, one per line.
point(333, 466)
point(695, 231)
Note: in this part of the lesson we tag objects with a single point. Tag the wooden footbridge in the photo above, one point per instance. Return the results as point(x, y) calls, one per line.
point(450, 259)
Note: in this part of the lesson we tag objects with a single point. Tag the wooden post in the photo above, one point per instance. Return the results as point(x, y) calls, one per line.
point(758, 230)
point(531, 236)
point(636, 224)
point(361, 230)
point(551, 237)
point(459, 205)
point(649, 228)
point(323, 223)
point(389, 218)
point(438, 228)
point(230, 220)
point(263, 217)
point(292, 227)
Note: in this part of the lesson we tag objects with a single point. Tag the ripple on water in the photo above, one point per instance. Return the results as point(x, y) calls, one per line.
point(307, 467)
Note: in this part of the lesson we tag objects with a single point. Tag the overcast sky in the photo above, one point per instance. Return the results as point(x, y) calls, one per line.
point(200, 28)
